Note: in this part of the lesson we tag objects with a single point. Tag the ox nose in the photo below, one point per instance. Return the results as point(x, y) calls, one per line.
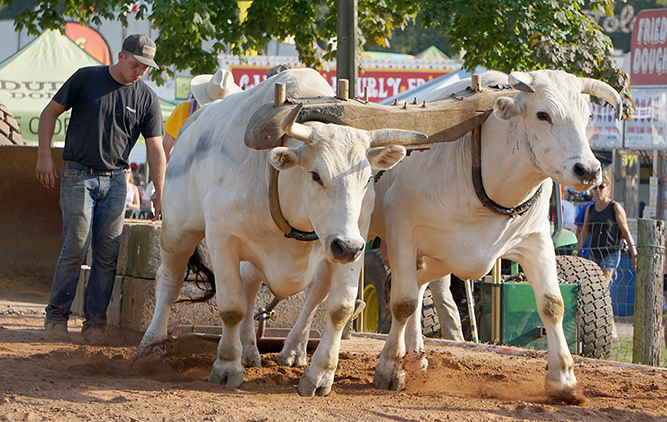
point(586, 174)
point(345, 250)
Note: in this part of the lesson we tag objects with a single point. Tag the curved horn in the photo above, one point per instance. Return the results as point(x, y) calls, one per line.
point(521, 81)
point(296, 130)
point(384, 137)
point(604, 91)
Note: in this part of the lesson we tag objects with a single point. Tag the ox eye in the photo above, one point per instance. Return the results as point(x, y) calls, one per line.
point(316, 177)
point(544, 116)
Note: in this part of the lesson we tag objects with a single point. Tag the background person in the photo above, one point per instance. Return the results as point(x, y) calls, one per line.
point(607, 223)
point(132, 199)
point(110, 106)
point(584, 251)
point(205, 89)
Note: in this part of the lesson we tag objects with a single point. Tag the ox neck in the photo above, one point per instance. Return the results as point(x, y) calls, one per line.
point(508, 186)
point(277, 214)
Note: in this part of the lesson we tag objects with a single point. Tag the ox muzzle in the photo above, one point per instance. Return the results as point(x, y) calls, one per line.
point(344, 250)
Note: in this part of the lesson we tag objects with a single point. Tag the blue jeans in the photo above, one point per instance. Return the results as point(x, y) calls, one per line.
point(609, 262)
point(93, 208)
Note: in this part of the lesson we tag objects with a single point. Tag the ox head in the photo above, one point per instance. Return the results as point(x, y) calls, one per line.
point(330, 168)
point(553, 115)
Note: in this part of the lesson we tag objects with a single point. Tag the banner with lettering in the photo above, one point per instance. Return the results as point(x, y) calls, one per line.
point(383, 80)
point(646, 129)
point(604, 131)
point(649, 48)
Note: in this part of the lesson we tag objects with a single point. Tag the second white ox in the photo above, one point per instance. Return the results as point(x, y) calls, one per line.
point(217, 188)
point(434, 223)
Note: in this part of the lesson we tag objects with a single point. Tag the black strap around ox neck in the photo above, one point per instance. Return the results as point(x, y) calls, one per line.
point(479, 186)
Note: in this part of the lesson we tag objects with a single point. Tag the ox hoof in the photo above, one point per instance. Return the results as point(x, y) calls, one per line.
point(252, 358)
point(563, 395)
point(308, 389)
point(292, 359)
point(394, 381)
point(233, 378)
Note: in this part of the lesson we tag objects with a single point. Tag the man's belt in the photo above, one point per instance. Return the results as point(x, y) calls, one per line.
point(90, 170)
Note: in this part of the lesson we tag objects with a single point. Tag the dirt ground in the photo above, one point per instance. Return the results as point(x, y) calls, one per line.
point(42, 380)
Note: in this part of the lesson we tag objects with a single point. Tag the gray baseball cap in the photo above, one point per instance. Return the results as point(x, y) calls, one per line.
point(142, 48)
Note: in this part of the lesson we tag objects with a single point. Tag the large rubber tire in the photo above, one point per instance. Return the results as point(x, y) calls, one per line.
point(377, 317)
point(594, 311)
point(10, 134)
point(430, 321)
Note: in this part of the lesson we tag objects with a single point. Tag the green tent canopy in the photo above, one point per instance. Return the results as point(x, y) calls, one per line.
point(32, 76)
point(432, 53)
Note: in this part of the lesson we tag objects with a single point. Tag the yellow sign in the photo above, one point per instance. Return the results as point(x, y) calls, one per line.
point(182, 87)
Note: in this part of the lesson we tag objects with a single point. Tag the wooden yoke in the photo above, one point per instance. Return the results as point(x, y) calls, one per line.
point(443, 121)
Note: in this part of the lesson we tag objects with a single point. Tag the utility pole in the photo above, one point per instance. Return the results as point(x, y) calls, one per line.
point(346, 58)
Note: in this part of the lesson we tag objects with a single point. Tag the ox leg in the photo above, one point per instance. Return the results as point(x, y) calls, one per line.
point(252, 279)
point(175, 250)
point(414, 340)
point(539, 263)
point(319, 376)
point(294, 352)
point(389, 372)
point(232, 305)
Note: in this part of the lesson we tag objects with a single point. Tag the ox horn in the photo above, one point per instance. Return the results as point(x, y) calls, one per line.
point(604, 91)
point(296, 130)
point(521, 81)
point(385, 137)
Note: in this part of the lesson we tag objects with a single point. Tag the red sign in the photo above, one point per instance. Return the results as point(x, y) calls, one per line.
point(385, 83)
point(649, 48)
point(89, 40)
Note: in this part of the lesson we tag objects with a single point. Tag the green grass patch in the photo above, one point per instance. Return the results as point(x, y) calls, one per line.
point(621, 348)
point(621, 351)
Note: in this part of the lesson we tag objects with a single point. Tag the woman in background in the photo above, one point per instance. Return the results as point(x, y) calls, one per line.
point(132, 201)
point(607, 223)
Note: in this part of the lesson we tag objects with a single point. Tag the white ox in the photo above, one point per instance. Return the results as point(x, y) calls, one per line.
point(427, 210)
point(217, 188)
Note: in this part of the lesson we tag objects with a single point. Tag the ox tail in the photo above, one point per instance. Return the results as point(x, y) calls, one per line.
point(202, 274)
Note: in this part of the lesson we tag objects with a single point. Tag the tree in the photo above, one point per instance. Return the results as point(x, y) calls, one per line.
point(504, 34)
point(509, 35)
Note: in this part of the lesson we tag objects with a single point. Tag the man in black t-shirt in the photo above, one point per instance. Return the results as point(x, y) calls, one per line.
point(111, 107)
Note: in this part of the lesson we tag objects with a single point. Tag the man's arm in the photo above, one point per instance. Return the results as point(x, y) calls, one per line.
point(168, 144)
point(46, 168)
point(157, 164)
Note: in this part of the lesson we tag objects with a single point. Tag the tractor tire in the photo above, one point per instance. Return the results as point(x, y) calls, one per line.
point(377, 316)
point(10, 134)
point(594, 311)
point(430, 321)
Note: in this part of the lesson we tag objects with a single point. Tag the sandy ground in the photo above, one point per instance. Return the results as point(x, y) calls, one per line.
point(42, 380)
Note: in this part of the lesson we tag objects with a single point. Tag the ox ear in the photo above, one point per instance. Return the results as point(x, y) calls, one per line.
point(506, 108)
point(283, 158)
point(384, 158)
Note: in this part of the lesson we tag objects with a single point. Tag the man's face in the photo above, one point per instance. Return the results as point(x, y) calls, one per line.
point(131, 69)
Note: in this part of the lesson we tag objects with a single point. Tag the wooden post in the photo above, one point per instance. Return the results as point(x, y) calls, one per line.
point(476, 82)
point(280, 94)
point(648, 292)
point(342, 89)
point(496, 303)
point(346, 56)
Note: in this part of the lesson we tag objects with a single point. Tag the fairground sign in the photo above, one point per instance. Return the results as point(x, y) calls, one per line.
point(649, 48)
point(384, 78)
